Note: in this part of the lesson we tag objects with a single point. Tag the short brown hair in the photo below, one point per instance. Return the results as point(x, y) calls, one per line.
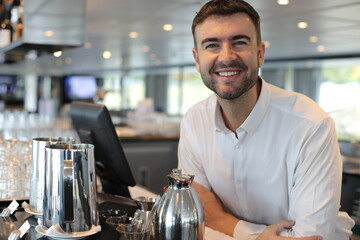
point(225, 8)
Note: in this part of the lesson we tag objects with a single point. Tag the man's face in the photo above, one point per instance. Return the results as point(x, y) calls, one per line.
point(227, 54)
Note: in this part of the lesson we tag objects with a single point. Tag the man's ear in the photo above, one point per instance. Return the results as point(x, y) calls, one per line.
point(261, 54)
point(196, 58)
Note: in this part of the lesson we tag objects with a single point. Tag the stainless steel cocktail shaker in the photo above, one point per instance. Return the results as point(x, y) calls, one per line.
point(70, 187)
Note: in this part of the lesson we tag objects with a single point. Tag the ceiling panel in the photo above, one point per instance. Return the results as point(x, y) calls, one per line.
point(335, 23)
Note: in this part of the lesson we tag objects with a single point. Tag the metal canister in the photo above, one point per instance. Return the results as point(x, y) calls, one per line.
point(179, 215)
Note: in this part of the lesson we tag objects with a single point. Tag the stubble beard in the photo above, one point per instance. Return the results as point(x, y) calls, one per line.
point(248, 81)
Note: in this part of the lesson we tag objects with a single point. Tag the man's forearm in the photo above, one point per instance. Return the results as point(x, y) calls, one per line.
point(215, 215)
point(218, 219)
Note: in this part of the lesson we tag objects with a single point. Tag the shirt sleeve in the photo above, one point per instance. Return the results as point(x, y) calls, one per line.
point(247, 231)
point(188, 152)
point(314, 198)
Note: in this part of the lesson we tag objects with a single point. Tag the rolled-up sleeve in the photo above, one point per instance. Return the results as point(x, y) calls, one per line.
point(314, 198)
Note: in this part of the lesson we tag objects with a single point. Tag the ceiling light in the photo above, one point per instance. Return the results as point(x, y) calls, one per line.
point(310, 64)
point(106, 54)
point(313, 39)
point(68, 60)
point(157, 62)
point(153, 56)
point(283, 2)
point(49, 33)
point(321, 48)
point(168, 27)
point(302, 24)
point(59, 62)
point(145, 48)
point(133, 35)
point(57, 53)
point(267, 44)
point(87, 45)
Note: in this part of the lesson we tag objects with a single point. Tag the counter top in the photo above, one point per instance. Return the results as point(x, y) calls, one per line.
point(210, 234)
point(107, 233)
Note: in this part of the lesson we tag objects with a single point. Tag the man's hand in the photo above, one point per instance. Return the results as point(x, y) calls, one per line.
point(215, 216)
point(272, 232)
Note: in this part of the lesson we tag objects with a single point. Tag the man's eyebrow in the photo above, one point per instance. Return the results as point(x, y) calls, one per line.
point(209, 40)
point(236, 37)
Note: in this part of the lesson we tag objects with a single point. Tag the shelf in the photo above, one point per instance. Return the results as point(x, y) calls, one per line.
point(17, 50)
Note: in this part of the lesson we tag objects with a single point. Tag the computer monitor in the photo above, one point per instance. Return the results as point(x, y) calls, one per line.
point(80, 88)
point(93, 124)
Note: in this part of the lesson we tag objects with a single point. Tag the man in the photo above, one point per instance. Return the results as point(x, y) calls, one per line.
point(266, 161)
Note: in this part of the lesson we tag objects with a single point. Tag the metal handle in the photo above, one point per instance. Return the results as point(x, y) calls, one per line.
point(68, 191)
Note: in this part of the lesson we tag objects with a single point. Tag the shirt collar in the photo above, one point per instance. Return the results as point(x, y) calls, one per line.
point(219, 121)
point(255, 117)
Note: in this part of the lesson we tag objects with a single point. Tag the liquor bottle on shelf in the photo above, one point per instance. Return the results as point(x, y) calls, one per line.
point(19, 28)
point(6, 31)
point(16, 19)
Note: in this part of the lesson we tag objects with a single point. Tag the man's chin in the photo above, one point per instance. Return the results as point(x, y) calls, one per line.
point(228, 95)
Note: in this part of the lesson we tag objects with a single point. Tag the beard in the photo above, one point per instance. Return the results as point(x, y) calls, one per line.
point(247, 81)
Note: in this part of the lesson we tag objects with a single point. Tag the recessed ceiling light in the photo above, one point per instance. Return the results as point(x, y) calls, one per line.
point(168, 27)
point(267, 44)
point(153, 56)
point(145, 48)
point(321, 48)
point(310, 64)
point(59, 62)
point(68, 60)
point(87, 45)
point(57, 54)
point(106, 54)
point(283, 2)
point(133, 35)
point(49, 33)
point(302, 24)
point(157, 62)
point(313, 39)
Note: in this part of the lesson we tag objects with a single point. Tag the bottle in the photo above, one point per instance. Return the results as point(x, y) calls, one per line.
point(19, 28)
point(16, 19)
point(6, 31)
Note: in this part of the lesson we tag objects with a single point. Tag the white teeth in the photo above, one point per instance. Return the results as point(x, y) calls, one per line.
point(226, 74)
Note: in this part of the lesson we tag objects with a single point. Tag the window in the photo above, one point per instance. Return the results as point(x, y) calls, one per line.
point(193, 89)
point(333, 84)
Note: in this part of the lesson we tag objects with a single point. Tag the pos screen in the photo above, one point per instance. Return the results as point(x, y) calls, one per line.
point(93, 124)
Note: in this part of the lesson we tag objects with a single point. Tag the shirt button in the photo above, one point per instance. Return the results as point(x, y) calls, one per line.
point(237, 146)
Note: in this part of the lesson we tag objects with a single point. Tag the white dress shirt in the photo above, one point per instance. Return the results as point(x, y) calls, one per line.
point(284, 163)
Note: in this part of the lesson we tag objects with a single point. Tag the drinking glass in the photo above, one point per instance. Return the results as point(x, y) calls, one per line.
point(132, 232)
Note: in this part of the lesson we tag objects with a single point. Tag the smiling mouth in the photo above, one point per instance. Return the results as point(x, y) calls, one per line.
point(228, 74)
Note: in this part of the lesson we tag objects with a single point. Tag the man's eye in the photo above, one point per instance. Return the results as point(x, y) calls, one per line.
point(211, 45)
point(240, 43)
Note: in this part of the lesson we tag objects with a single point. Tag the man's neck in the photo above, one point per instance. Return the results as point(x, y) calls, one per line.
point(235, 112)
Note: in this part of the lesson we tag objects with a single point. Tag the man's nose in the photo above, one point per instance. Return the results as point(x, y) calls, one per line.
point(226, 53)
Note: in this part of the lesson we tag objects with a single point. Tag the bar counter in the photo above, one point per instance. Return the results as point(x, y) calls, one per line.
point(107, 232)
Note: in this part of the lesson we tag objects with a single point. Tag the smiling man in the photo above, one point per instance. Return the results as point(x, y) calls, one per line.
point(266, 161)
